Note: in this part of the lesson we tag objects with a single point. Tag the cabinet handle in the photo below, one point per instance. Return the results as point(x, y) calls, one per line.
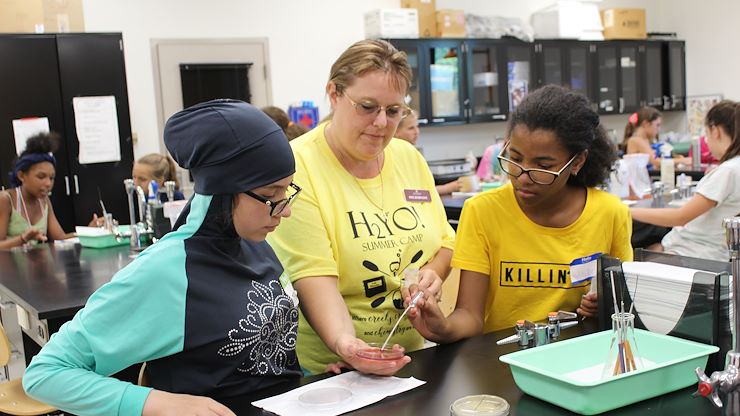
point(499, 116)
point(66, 184)
point(423, 121)
point(621, 104)
point(77, 186)
point(438, 120)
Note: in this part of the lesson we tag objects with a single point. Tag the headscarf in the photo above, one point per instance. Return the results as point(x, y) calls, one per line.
point(25, 162)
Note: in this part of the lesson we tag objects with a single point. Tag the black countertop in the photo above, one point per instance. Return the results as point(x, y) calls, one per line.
point(55, 280)
point(472, 366)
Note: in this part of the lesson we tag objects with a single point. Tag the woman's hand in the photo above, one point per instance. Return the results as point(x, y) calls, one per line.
point(161, 403)
point(346, 348)
point(589, 305)
point(32, 234)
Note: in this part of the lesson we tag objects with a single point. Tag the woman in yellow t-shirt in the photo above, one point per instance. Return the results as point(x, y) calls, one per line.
point(515, 243)
point(368, 211)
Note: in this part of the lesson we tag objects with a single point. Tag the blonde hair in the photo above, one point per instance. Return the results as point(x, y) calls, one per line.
point(367, 56)
point(163, 167)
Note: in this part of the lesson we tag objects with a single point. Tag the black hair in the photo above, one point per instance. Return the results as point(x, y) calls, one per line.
point(42, 143)
point(569, 116)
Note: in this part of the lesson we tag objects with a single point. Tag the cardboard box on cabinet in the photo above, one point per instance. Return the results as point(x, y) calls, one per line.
point(624, 23)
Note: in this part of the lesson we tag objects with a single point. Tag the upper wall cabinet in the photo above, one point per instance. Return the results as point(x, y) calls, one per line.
point(477, 80)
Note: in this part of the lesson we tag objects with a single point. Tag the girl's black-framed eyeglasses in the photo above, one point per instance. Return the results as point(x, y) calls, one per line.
point(277, 207)
point(539, 176)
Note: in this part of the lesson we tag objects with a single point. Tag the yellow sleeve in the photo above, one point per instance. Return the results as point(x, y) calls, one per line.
point(622, 241)
point(302, 241)
point(472, 246)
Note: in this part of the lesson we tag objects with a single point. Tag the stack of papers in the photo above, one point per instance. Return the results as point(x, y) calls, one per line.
point(336, 395)
point(659, 291)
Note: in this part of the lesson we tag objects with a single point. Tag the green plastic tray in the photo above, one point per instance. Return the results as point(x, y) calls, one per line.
point(540, 371)
point(105, 241)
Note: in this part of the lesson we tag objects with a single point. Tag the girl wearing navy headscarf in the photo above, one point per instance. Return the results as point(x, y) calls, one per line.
point(26, 214)
point(205, 306)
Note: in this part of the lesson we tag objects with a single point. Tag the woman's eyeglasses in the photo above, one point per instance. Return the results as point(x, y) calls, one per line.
point(539, 176)
point(277, 207)
point(395, 112)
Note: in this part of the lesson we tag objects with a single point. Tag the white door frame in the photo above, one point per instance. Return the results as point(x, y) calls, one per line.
point(263, 96)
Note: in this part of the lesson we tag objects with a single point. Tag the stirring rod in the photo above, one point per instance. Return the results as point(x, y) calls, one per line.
point(411, 305)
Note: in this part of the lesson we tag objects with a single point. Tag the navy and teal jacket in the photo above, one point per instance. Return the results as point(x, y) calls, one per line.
point(202, 307)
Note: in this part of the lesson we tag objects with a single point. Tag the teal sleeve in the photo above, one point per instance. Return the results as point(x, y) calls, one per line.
point(138, 316)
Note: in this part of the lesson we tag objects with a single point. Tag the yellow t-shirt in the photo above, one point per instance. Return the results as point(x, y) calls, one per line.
point(528, 264)
point(337, 228)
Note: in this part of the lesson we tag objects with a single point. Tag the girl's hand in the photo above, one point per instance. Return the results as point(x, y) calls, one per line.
point(589, 305)
point(32, 234)
point(161, 403)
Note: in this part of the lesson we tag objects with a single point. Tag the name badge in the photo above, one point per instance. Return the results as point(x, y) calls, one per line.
point(583, 268)
point(417, 195)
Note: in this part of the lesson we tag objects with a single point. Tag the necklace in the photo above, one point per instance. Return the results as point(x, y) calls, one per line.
point(340, 158)
point(382, 194)
point(25, 211)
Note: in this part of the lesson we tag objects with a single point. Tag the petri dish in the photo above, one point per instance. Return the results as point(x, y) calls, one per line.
point(374, 351)
point(480, 405)
point(324, 396)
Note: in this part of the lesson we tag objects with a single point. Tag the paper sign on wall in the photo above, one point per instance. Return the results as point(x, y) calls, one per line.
point(24, 128)
point(96, 123)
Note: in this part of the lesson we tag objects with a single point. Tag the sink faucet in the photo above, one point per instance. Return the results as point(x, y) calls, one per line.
point(132, 194)
point(728, 381)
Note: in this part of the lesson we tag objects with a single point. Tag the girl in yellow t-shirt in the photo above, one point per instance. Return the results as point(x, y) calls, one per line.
point(515, 243)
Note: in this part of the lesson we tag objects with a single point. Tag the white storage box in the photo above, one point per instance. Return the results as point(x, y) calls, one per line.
point(568, 19)
point(392, 23)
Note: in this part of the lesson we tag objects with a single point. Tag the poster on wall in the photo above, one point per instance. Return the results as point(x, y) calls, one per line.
point(696, 109)
point(23, 128)
point(96, 124)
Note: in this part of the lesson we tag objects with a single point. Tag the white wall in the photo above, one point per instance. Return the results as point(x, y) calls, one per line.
point(306, 37)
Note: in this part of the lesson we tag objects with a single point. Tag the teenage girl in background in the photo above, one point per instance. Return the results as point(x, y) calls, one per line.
point(160, 168)
point(408, 130)
point(26, 214)
point(698, 228)
point(641, 131)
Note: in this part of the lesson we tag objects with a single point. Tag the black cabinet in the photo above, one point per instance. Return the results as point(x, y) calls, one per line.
point(565, 62)
point(40, 77)
point(674, 75)
point(487, 93)
point(478, 80)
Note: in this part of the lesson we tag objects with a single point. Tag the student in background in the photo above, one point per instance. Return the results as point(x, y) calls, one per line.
point(160, 168)
point(641, 131)
point(515, 243)
point(204, 307)
point(26, 213)
point(487, 169)
point(408, 130)
point(697, 225)
point(279, 116)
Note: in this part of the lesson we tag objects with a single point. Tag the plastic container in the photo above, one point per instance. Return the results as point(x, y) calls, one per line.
point(480, 405)
point(548, 372)
point(96, 237)
point(374, 351)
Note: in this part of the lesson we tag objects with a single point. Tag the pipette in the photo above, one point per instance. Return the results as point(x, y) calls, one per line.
point(411, 305)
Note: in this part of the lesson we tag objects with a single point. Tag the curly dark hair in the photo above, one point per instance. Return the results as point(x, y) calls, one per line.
point(569, 115)
point(42, 143)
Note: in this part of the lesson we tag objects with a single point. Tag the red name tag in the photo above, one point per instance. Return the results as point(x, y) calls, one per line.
point(417, 195)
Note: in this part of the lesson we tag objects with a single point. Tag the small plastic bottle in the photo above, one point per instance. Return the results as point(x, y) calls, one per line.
point(667, 168)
